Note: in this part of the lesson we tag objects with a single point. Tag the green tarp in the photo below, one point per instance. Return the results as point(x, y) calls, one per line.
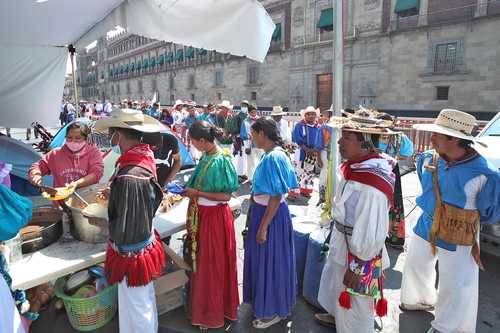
point(404, 5)
point(326, 19)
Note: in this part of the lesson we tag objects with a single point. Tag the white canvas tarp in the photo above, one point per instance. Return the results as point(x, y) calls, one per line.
point(31, 31)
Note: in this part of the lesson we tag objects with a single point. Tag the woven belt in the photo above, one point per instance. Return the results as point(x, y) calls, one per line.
point(342, 228)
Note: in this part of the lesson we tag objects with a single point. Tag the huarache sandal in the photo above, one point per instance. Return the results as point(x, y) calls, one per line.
point(265, 323)
point(416, 307)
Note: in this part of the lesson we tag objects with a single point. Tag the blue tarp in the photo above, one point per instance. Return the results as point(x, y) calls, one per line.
point(60, 137)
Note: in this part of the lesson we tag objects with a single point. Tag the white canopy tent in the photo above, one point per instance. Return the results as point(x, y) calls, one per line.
point(34, 33)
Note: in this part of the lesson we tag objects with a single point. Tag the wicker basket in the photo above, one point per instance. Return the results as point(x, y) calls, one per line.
point(88, 314)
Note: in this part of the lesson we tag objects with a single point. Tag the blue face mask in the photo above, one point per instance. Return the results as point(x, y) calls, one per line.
point(116, 148)
point(244, 109)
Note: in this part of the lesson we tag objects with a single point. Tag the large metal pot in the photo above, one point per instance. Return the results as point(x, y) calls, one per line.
point(80, 227)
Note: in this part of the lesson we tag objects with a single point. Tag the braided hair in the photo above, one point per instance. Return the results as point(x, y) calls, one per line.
point(268, 126)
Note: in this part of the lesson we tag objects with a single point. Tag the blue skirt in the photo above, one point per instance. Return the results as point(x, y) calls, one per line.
point(269, 273)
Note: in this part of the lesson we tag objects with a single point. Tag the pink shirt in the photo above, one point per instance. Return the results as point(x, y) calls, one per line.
point(66, 166)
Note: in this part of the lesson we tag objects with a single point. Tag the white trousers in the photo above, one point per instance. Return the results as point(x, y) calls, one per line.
point(137, 308)
point(252, 161)
point(10, 320)
point(456, 300)
point(359, 318)
point(240, 164)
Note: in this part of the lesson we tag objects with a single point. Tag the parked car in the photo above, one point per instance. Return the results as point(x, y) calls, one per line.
point(490, 135)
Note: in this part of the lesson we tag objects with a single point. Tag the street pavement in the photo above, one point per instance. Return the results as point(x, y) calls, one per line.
point(301, 319)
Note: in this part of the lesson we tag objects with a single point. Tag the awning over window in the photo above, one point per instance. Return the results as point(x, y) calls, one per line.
point(152, 61)
point(277, 33)
point(405, 5)
point(161, 59)
point(326, 19)
point(179, 55)
point(145, 63)
point(202, 51)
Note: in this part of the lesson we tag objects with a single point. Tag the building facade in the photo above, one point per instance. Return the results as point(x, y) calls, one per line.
point(406, 56)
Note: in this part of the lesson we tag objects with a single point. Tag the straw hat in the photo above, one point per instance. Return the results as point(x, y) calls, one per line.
point(245, 102)
point(177, 103)
point(225, 104)
point(189, 102)
point(364, 121)
point(129, 118)
point(453, 123)
point(309, 109)
point(277, 111)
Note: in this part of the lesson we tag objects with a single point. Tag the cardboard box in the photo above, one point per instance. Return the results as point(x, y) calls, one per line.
point(169, 287)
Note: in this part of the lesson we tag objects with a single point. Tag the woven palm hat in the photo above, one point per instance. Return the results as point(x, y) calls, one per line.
point(129, 118)
point(364, 121)
point(453, 123)
point(309, 109)
point(225, 104)
point(277, 111)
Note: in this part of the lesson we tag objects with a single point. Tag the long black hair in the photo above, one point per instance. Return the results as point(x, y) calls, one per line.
point(204, 130)
point(269, 127)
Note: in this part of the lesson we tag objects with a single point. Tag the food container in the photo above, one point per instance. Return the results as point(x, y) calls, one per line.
point(80, 227)
point(44, 228)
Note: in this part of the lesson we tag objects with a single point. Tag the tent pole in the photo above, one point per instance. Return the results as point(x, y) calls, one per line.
point(72, 51)
point(337, 94)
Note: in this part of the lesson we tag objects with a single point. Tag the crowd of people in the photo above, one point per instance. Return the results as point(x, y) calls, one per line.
point(460, 190)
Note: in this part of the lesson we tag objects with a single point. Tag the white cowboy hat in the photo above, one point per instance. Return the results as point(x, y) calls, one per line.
point(277, 111)
point(225, 104)
point(177, 103)
point(309, 109)
point(453, 123)
point(129, 118)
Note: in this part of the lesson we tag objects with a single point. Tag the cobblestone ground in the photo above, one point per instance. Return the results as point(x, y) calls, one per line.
point(302, 317)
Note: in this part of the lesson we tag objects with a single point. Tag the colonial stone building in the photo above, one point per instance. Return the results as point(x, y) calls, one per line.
point(404, 56)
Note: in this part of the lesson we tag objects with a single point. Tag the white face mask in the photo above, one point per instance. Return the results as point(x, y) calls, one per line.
point(244, 109)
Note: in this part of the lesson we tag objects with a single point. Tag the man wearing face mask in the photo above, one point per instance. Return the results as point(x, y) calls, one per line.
point(77, 163)
point(135, 256)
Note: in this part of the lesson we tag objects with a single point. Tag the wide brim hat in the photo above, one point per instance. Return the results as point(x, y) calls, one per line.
point(245, 102)
point(131, 119)
point(190, 102)
point(363, 121)
point(309, 109)
point(277, 111)
point(177, 103)
point(225, 104)
point(453, 123)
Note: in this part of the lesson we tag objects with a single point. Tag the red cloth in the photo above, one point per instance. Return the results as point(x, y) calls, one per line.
point(214, 286)
point(140, 155)
point(140, 269)
point(369, 176)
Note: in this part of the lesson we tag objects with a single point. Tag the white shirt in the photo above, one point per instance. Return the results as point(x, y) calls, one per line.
point(285, 131)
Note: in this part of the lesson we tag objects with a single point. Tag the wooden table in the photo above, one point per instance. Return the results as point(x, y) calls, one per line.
point(62, 258)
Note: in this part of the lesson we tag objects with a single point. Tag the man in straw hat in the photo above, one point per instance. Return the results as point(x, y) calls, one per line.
point(460, 190)
point(277, 114)
point(351, 282)
point(134, 256)
point(304, 135)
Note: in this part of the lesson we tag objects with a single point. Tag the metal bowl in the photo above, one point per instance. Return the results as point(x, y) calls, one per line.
point(80, 227)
